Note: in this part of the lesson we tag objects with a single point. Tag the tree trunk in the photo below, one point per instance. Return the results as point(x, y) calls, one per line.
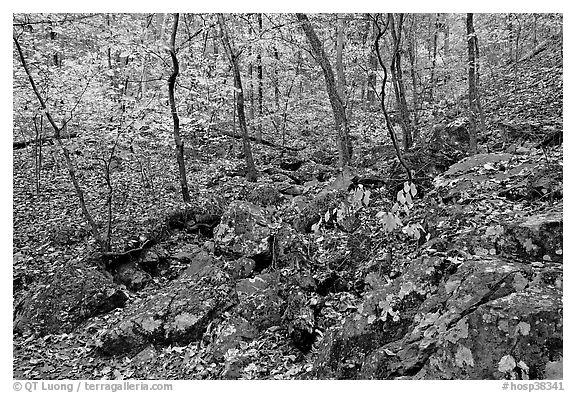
point(260, 73)
point(446, 36)
point(477, 86)
point(251, 174)
point(534, 29)
point(372, 69)
point(38, 134)
point(299, 72)
point(434, 55)
point(341, 81)
point(510, 37)
point(56, 59)
point(398, 81)
point(250, 92)
point(276, 80)
point(412, 57)
point(177, 138)
point(472, 83)
point(344, 143)
point(70, 166)
point(383, 96)
point(250, 83)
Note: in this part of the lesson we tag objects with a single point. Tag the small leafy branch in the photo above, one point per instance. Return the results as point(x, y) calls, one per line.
point(345, 215)
point(404, 203)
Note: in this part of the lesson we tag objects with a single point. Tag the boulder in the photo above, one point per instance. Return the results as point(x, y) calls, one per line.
point(152, 259)
point(299, 321)
point(230, 335)
point(75, 293)
point(518, 336)
point(314, 210)
point(187, 253)
point(265, 195)
point(144, 361)
point(178, 314)
point(484, 318)
point(290, 248)
point(546, 183)
point(312, 171)
point(245, 230)
point(303, 280)
point(474, 176)
point(291, 189)
point(251, 286)
point(325, 158)
point(198, 262)
point(384, 316)
point(375, 154)
point(473, 163)
point(280, 178)
point(290, 163)
point(259, 301)
point(241, 267)
point(452, 136)
point(132, 276)
point(203, 215)
point(535, 237)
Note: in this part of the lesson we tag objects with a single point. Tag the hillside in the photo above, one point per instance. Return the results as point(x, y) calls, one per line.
point(314, 271)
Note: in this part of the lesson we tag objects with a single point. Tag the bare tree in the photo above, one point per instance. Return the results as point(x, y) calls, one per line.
point(372, 66)
point(251, 174)
point(381, 31)
point(475, 109)
point(341, 79)
point(260, 73)
point(397, 80)
point(412, 45)
point(336, 101)
point(177, 138)
point(104, 245)
point(434, 57)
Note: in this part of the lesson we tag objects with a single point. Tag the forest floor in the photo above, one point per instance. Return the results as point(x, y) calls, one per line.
point(49, 233)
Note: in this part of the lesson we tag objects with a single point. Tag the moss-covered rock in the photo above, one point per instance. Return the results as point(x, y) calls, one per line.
point(75, 293)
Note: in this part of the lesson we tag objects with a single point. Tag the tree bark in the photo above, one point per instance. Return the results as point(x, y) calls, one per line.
point(341, 81)
point(434, 56)
point(472, 83)
point(39, 140)
point(250, 84)
point(251, 174)
point(177, 138)
point(412, 57)
point(477, 86)
point(446, 31)
point(38, 133)
point(250, 92)
point(260, 72)
point(344, 143)
point(276, 79)
point(372, 69)
point(398, 81)
point(382, 99)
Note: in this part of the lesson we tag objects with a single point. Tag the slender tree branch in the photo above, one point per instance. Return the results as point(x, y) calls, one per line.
point(175, 118)
point(69, 164)
point(382, 97)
